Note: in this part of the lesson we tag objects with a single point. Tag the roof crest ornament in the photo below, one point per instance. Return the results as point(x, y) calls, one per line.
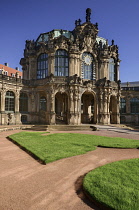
point(78, 22)
point(88, 14)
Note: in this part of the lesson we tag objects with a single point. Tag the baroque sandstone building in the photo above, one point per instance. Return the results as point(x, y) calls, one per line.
point(69, 77)
point(129, 105)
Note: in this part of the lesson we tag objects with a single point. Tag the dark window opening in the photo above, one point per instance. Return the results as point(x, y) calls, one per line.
point(122, 105)
point(23, 102)
point(43, 103)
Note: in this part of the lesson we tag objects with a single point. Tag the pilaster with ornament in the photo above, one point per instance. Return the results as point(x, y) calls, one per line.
point(31, 101)
point(3, 93)
point(75, 99)
point(17, 114)
point(71, 105)
point(51, 64)
point(118, 107)
point(71, 64)
point(52, 105)
point(17, 94)
point(76, 104)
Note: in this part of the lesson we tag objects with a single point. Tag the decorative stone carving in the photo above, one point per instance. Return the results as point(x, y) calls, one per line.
point(75, 79)
point(51, 78)
point(61, 42)
point(101, 82)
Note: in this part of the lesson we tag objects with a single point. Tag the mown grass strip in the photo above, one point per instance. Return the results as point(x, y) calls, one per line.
point(49, 148)
point(115, 185)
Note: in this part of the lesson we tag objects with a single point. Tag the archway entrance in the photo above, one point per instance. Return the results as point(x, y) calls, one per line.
point(113, 110)
point(61, 108)
point(87, 108)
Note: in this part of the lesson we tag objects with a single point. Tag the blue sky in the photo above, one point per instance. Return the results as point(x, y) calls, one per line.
point(22, 20)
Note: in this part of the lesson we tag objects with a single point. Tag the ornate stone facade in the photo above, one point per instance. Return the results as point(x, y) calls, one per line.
point(69, 77)
point(129, 109)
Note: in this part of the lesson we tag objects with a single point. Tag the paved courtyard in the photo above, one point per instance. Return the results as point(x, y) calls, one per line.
point(25, 184)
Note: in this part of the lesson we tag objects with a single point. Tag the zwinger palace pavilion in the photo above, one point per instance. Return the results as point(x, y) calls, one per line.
point(69, 77)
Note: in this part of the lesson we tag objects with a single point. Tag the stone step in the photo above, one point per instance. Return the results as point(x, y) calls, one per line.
point(59, 127)
point(68, 127)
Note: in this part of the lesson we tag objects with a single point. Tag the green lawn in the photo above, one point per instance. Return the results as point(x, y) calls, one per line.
point(49, 148)
point(115, 185)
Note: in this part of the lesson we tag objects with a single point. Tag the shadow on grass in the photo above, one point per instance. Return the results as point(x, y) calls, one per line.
point(85, 197)
point(27, 151)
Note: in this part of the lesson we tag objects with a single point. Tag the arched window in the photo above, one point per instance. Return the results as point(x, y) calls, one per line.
point(122, 105)
point(88, 66)
point(134, 105)
point(43, 103)
point(42, 69)
point(61, 63)
point(9, 101)
point(23, 102)
point(111, 69)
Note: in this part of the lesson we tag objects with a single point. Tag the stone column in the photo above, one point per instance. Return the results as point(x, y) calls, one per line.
point(3, 93)
point(105, 69)
point(101, 69)
point(118, 109)
point(17, 114)
point(108, 105)
point(51, 64)
point(96, 108)
point(71, 64)
point(71, 107)
point(76, 111)
point(52, 107)
point(100, 106)
point(96, 70)
point(78, 65)
point(32, 68)
point(79, 108)
point(37, 101)
point(31, 107)
point(105, 110)
point(3, 115)
point(17, 101)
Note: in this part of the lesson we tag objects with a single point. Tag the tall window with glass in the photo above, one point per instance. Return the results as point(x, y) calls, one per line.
point(9, 101)
point(134, 105)
point(42, 66)
point(88, 66)
point(61, 63)
point(122, 106)
point(112, 75)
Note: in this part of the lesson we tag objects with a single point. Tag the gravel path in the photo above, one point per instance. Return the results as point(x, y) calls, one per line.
point(25, 184)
